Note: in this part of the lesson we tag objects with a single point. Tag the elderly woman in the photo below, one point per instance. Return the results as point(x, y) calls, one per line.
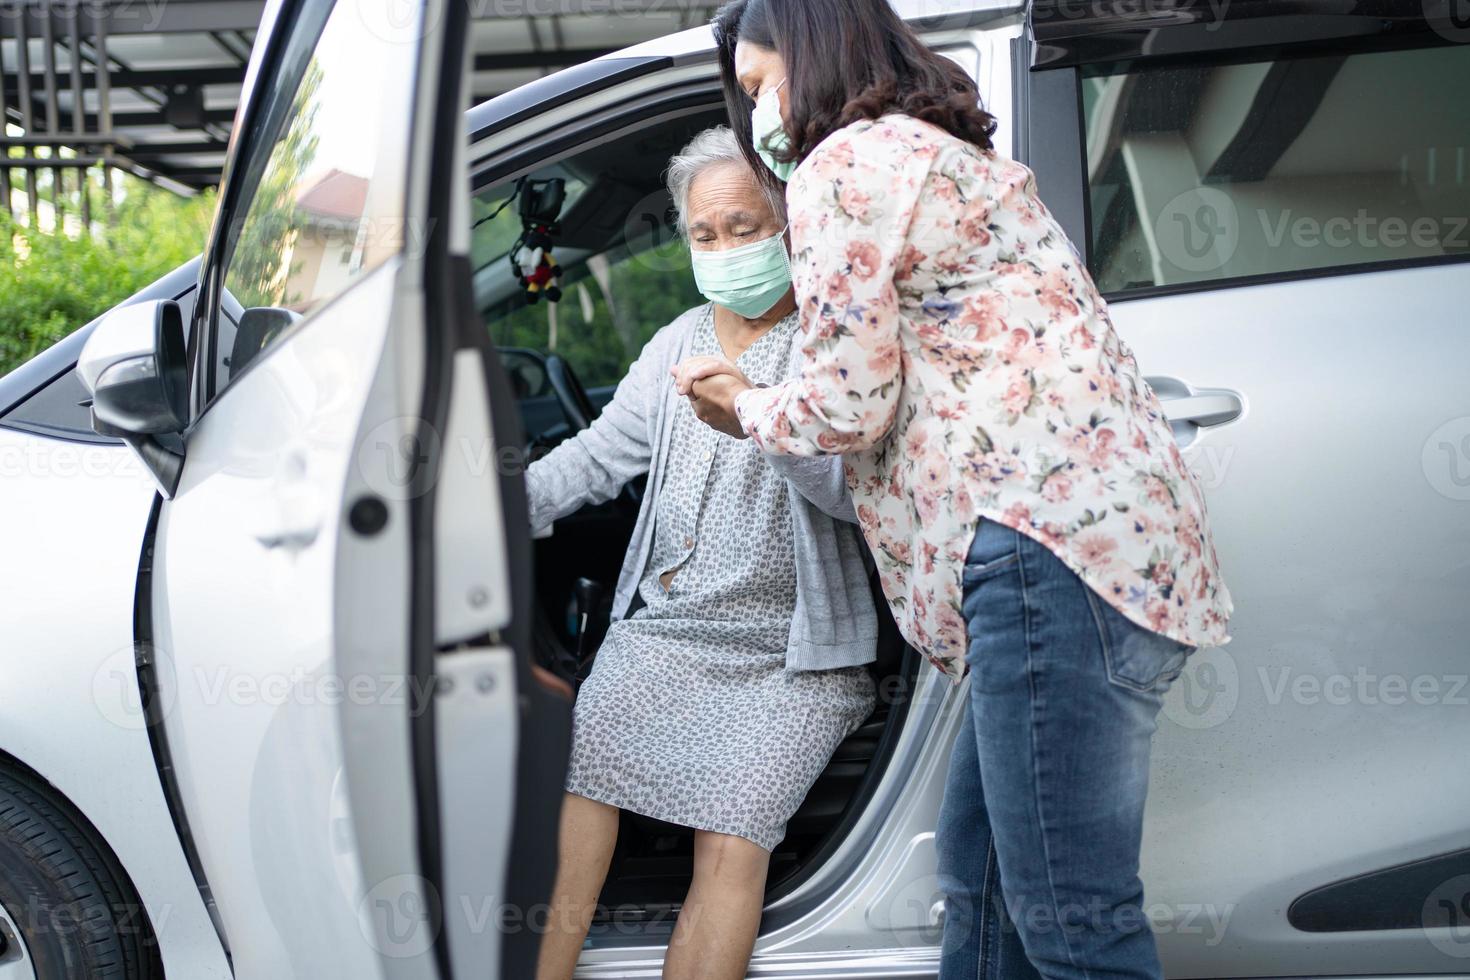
point(718, 702)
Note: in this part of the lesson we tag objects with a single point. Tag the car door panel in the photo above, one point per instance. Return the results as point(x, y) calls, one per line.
point(1302, 752)
point(1328, 432)
point(290, 597)
point(253, 722)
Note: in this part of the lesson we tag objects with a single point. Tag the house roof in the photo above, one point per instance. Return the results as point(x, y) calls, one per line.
point(337, 194)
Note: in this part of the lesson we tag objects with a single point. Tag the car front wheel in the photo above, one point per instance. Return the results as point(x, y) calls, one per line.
point(67, 909)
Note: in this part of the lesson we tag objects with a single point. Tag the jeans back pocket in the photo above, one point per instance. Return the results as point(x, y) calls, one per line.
point(1136, 657)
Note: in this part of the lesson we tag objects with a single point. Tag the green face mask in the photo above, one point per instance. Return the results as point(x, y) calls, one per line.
point(748, 279)
point(769, 134)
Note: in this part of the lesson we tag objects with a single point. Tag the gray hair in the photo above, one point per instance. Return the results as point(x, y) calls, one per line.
point(714, 146)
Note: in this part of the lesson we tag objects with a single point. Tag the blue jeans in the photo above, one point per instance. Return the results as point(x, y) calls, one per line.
point(1039, 832)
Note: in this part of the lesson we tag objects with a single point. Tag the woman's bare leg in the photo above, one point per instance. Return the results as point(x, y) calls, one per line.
point(722, 912)
point(588, 832)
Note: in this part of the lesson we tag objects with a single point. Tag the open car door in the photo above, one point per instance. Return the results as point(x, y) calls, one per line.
point(331, 619)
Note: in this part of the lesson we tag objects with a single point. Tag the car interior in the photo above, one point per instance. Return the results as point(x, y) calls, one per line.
point(624, 273)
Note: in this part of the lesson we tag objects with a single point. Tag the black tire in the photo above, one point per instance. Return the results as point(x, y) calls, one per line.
point(73, 904)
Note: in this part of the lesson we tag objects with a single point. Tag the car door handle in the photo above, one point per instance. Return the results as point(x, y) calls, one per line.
point(1205, 408)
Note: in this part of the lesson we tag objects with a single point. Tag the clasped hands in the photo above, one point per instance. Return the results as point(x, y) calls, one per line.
point(711, 384)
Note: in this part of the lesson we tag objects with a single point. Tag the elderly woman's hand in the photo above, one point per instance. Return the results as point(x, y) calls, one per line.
point(711, 384)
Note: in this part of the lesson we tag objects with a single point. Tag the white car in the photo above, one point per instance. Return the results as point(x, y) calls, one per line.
point(285, 685)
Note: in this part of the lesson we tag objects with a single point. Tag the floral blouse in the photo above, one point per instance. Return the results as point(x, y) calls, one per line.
point(959, 356)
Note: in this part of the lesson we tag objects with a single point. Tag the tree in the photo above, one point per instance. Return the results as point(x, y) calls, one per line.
point(51, 284)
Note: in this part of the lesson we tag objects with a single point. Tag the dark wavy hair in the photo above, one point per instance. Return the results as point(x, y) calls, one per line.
point(845, 60)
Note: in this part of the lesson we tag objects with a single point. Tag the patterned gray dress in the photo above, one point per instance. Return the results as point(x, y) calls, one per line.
point(689, 714)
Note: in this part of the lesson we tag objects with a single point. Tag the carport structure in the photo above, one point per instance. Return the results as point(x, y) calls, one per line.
point(151, 86)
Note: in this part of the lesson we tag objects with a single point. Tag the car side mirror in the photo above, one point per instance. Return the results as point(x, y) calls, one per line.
point(134, 366)
point(258, 328)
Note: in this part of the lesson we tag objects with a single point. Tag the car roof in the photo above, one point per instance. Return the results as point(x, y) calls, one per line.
point(685, 47)
point(700, 41)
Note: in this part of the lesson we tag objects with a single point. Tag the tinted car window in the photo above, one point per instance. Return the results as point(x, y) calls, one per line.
point(1200, 173)
point(58, 409)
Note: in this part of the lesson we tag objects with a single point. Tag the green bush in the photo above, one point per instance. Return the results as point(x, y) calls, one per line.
point(51, 284)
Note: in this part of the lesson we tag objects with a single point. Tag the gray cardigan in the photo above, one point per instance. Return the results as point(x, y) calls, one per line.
point(834, 624)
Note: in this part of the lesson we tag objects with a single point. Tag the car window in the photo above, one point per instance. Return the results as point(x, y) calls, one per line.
point(614, 307)
point(325, 199)
point(624, 271)
point(1202, 173)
